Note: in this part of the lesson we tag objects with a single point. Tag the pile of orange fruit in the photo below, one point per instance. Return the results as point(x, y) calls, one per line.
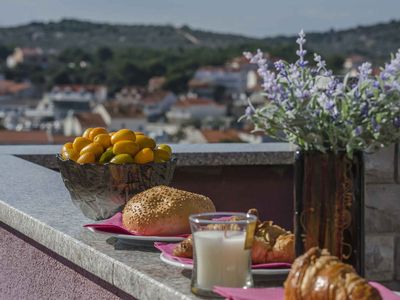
point(97, 145)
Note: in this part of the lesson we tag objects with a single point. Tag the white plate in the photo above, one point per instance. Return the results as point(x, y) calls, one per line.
point(148, 238)
point(170, 261)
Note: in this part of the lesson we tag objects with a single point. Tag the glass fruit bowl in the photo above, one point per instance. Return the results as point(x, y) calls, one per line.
point(101, 190)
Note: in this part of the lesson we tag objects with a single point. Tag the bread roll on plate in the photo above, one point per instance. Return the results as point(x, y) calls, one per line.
point(163, 211)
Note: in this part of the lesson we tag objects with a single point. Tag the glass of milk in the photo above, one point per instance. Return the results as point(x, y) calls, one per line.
point(222, 251)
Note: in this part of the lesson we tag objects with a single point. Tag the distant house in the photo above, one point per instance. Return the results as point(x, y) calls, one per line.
point(79, 92)
point(32, 56)
point(119, 115)
point(235, 78)
point(157, 103)
point(191, 108)
point(78, 98)
point(15, 99)
point(130, 95)
point(156, 83)
point(11, 90)
point(76, 123)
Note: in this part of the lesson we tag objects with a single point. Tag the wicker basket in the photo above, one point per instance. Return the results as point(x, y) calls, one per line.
point(102, 190)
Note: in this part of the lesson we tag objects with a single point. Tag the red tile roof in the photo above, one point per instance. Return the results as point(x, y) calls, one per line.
point(218, 136)
point(8, 137)
point(32, 51)
point(196, 83)
point(122, 110)
point(155, 97)
point(88, 119)
point(186, 102)
point(11, 87)
point(77, 87)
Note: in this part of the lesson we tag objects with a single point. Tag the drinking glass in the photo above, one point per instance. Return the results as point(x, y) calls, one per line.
point(221, 251)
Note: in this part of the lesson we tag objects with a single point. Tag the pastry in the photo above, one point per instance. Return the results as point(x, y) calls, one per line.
point(184, 248)
point(271, 243)
point(318, 275)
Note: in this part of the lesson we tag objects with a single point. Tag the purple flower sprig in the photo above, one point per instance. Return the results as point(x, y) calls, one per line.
point(301, 52)
point(316, 110)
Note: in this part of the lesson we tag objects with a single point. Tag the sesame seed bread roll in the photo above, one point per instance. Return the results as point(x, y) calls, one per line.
point(163, 210)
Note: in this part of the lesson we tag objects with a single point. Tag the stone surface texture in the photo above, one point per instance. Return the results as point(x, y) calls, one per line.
point(379, 257)
point(188, 155)
point(382, 221)
point(379, 167)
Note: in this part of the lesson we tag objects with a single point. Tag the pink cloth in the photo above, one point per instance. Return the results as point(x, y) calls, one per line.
point(167, 249)
point(250, 294)
point(114, 225)
point(277, 293)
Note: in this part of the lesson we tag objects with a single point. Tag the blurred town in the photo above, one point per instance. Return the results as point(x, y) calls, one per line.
point(205, 109)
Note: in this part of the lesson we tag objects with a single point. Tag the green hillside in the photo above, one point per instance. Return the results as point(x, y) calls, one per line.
point(88, 35)
point(374, 42)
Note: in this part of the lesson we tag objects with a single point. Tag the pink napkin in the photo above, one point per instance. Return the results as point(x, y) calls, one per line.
point(250, 294)
point(277, 293)
point(167, 249)
point(114, 225)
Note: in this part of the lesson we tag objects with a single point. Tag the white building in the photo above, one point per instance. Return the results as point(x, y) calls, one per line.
point(156, 104)
point(76, 123)
point(195, 109)
point(236, 78)
point(33, 56)
point(119, 115)
point(78, 98)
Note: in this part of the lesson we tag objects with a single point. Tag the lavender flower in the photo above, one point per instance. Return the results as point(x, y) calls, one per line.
point(365, 110)
point(358, 131)
point(364, 70)
point(396, 86)
point(392, 68)
point(396, 121)
point(301, 52)
point(307, 100)
point(321, 64)
point(375, 124)
point(279, 66)
point(249, 111)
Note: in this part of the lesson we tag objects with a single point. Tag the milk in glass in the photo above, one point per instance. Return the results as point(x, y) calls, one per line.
point(221, 259)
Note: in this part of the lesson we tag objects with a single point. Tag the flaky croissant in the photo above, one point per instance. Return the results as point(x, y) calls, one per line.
point(271, 243)
point(317, 275)
point(184, 248)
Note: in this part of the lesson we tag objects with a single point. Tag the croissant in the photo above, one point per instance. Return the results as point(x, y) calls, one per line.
point(184, 248)
point(271, 243)
point(317, 275)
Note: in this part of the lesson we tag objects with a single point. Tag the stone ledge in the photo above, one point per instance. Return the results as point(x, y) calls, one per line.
point(188, 155)
point(382, 202)
point(379, 257)
point(379, 167)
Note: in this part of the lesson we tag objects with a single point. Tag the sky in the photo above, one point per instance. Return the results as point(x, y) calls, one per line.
point(258, 18)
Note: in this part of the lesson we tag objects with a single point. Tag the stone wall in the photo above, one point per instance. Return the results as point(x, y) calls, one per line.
point(382, 217)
